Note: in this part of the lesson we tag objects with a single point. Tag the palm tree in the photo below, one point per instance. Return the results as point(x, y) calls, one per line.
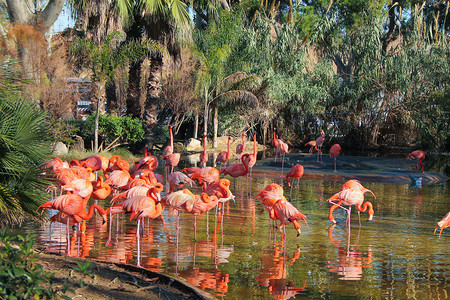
point(104, 59)
point(162, 21)
point(24, 147)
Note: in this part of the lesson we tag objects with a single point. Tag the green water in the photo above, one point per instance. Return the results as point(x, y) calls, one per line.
point(395, 256)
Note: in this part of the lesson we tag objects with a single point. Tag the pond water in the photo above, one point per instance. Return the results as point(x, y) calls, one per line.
point(238, 255)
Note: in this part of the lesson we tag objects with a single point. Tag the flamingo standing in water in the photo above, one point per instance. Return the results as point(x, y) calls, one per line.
point(251, 161)
point(237, 170)
point(74, 205)
point(204, 154)
point(169, 148)
point(352, 193)
point(419, 155)
point(296, 172)
point(172, 161)
point(275, 142)
point(195, 204)
point(312, 145)
point(282, 149)
point(178, 180)
point(444, 223)
point(319, 143)
point(101, 189)
point(224, 156)
point(241, 147)
point(147, 206)
point(335, 150)
point(206, 174)
point(279, 208)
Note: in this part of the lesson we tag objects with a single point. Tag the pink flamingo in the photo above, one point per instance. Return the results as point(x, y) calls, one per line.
point(241, 147)
point(169, 149)
point(352, 194)
point(419, 155)
point(96, 162)
point(296, 172)
point(178, 180)
point(444, 223)
point(237, 170)
point(251, 161)
point(206, 174)
point(319, 143)
point(204, 154)
point(224, 156)
point(279, 208)
point(147, 206)
point(116, 163)
point(282, 149)
point(312, 145)
point(335, 150)
point(172, 160)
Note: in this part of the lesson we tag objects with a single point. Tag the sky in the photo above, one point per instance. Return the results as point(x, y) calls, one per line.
point(64, 20)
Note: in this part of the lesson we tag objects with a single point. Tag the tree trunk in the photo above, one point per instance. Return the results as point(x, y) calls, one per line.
point(196, 126)
point(20, 13)
point(111, 98)
point(134, 90)
point(215, 125)
point(150, 116)
point(97, 113)
point(100, 108)
point(205, 115)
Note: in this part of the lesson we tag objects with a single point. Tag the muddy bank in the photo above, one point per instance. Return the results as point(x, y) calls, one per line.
point(105, 280)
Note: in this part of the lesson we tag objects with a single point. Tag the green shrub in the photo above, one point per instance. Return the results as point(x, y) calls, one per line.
point(20, 276)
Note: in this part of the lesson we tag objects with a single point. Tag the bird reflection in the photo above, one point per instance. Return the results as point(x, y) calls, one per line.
point(351, 259)
point(273, 272)
point(207, 278)
point(212, 279)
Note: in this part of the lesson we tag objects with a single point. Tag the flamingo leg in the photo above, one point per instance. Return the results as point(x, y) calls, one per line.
point(138, 243)
point(195, 227)
point(68, 238)
point(108, 242)
point(332, 208)
point(335, 165)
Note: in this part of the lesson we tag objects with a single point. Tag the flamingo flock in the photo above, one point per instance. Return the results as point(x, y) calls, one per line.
point(144, 194)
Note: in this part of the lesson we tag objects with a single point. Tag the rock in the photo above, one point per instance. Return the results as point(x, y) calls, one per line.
point(193, 144)
point(59, 149)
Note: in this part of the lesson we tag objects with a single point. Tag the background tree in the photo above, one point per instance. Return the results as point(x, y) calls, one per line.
point(103, 60)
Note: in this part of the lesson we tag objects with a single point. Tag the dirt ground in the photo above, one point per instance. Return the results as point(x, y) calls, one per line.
point(115, 281)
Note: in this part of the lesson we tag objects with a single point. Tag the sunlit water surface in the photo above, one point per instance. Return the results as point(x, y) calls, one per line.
point(238, 255)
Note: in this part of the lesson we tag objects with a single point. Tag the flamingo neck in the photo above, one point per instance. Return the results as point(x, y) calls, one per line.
point(171, 137)
point(244, 162)
point(364, 208)
point(254, 144)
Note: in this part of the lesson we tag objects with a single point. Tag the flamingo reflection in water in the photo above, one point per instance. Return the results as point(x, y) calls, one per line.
point(208, 278)
point(273, 273)
point(80, 242)
point(351, 259)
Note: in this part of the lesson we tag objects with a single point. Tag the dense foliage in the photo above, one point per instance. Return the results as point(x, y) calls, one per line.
point(20, 276)
point(113, 130)
point(24, 146)
point(372, 74)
